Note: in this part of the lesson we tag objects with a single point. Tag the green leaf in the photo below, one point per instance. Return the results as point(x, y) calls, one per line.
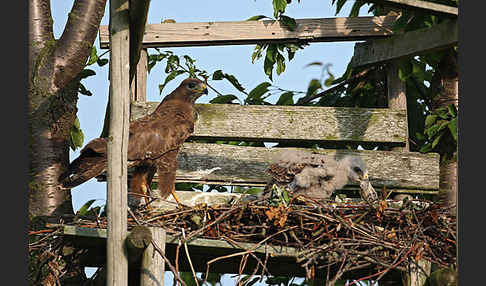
point(288, 22)
point(172, 63)
point(86, 73)
point(257, 17)
point(232, 79)
point(313, 64)
point(270, 59)
point(93, 57)
point(339, 6)
point(257, 52)
point(77, 138)
point(218, 75)
point(314, 85)
point(355, 9)
point(172, 75)
point(453, 128)
point(259, 90)
point(82, 89)
point(452, 110)
point(420, 136)
point(426, 148)
point(101, 62)
point(279, 7)
point(76, 124)
point(280, 63)
point(187, 278)
point(430, 119)
point(85, 208)
point(330, 80)
point(255, 95)
point(227, 98)
point(437, 140)
point(287, 98)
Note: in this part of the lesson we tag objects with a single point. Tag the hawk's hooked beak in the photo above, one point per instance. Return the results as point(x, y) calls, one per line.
point(202, 89)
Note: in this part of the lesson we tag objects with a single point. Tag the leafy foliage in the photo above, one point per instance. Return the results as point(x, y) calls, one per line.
point(77, 137)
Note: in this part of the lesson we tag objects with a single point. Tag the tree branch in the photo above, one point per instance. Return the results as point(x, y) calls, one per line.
point(74, 45)
point(40, 28)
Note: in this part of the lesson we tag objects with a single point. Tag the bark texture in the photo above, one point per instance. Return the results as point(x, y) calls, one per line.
point(54, 66)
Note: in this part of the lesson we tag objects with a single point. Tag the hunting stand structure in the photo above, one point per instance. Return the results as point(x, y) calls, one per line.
point(398, 170)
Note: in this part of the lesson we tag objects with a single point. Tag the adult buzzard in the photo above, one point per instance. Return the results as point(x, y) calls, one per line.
point(153, 143)
point(318, 175)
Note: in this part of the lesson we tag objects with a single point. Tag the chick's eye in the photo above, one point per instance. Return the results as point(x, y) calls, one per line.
point(192, 85)
point(357, 170)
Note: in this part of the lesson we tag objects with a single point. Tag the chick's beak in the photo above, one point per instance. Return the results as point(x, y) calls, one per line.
point(365, 176)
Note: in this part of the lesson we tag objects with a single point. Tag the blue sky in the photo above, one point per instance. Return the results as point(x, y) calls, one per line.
point(235, 60)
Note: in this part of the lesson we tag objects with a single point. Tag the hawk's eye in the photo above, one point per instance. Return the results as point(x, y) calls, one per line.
point(191, 85)
point(357, 170)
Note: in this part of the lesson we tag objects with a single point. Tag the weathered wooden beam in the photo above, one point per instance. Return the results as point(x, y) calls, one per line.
point(434, 8)
point(411, 43)
point(267, 31)
point(245, 166)
point(117, 263)
point(292, 123)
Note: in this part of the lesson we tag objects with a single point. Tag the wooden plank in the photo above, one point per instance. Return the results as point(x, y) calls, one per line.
point(117, 263)
point(245, 166)
point(267, 31)
point(292, 123)
point(441, 36)
point(281, 259)
point(427, 6)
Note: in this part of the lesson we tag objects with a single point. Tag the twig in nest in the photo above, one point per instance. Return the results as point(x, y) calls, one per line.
point(189, 258)
point(385, 270)
point(202, 229)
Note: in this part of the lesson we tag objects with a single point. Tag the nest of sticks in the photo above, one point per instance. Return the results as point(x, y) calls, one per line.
point(344, 236)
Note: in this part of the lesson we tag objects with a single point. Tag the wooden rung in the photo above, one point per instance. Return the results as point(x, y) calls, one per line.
point(426, 6)
point(441, 36)
point(293, 123)
point(254, 32)
point(245, 166)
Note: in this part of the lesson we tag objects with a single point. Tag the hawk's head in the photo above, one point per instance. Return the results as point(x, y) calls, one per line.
point(189, 90)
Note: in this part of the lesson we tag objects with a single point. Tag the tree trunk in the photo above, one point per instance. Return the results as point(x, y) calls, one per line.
point(53, 74)
point(448, 94)
point(54, 66)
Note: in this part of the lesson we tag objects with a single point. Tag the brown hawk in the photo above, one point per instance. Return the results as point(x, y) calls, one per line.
point(153, 144)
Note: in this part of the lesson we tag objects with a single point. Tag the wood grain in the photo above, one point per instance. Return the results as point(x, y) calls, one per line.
point(266, 31)
point(441, 36)
point(292, 123)
point(117, 145)
point(427, 6)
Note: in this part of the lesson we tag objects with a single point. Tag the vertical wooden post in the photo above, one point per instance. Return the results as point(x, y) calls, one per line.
point(153, 267)
point(138, 87)
point(117, 143)
point(397, 99)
